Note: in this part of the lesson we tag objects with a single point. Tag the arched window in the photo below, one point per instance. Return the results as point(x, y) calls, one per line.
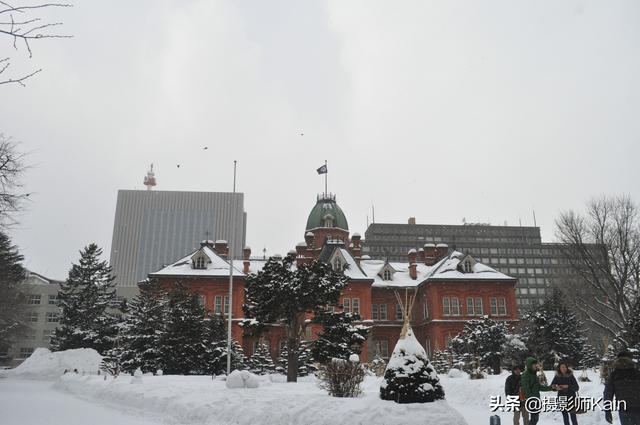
point(328, 222)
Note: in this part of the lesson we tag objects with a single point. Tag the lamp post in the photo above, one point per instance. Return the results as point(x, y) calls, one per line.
point(230, 315)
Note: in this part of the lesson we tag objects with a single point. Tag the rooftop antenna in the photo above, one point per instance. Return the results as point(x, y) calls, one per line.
point(373, 213)
point(264, 253)
point(150, 178)
point(535, 224)
point(367, 221)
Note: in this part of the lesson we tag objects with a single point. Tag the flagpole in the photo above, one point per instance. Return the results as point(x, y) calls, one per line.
point(230, 248)
point(325, 178)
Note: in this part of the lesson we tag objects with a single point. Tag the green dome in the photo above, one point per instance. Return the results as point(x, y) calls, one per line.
point(326, 213)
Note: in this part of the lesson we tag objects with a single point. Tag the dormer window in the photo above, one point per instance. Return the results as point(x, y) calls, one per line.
point(467, 264)
point(386, 273)
point(337, 264)
point(199, 263)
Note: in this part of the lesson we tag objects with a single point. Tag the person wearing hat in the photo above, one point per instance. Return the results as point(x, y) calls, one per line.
point(512, 388)
point(531, 386)
point(624, 384)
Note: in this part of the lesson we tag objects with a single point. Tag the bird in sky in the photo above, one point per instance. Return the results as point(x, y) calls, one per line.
point(206, 147)
point(178, 165)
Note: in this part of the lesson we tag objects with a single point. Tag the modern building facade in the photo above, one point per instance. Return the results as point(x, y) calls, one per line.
point(152, 228)
point(449, 287)
point(42, 315)
point(514, 250)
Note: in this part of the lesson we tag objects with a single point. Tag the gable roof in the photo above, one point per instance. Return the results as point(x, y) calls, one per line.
point(353, 270)
point(217, 267)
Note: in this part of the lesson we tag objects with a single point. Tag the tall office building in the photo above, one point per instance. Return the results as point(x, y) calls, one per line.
point(152, 228)
point(514, 250)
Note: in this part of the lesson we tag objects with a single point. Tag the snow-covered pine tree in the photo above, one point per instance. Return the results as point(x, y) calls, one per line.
point(12, 299)
point(340, 337)
point(138, 344)
point(261, 362)
point(442, 361)
point(181, 347)
point(304, 360)
point(589, 357)
point(84, 299)
point(553, 332)
point(280, 293)
point(481, 340)
point(410, 377)
point(214, 355)
point(514, 351)
point(629, 338)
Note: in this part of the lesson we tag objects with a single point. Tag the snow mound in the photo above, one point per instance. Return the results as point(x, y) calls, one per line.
point(455, 373)
point(242, 379)
point(45, 365)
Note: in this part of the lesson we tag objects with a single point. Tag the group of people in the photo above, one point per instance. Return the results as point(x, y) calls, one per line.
point(623, 384)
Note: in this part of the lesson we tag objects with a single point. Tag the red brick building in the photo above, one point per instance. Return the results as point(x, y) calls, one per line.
point(450, 287)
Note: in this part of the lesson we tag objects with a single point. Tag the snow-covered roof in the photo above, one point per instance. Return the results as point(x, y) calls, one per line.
point(445, 269)
point(215, 267)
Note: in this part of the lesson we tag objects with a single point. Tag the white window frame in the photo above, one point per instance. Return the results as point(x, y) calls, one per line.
point(374, 312)
point(446, 306)
point(355, 305)
point(383, 312)
point(346, 305)
point(455, 306)
point(217, 307)
point(34, 299)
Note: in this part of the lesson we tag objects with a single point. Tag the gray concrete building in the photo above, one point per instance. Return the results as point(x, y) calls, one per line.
point(517, 251)
point(152, 228)
point(42, 315)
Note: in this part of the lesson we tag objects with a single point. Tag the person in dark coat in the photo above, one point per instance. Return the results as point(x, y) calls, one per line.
point(512, 388)
point(624, 385)
point(567, 386)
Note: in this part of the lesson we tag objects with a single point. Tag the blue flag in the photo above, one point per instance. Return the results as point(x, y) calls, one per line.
point(322, 170)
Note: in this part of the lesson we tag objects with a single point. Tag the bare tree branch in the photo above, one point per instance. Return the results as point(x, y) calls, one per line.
point(25, 30)
point(603, 247)
point(12, 169)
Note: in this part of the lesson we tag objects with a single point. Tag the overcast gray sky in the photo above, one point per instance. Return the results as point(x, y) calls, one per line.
point(438, 110)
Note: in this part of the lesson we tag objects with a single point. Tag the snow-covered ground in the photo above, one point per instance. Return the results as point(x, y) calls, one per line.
point(202, 400)
point(472, 399)
point(32, 402)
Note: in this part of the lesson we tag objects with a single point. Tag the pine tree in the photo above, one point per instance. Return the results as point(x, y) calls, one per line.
point(261, 362)
point(304, 360)
point(340, 338)
point(481, 341)
point(12, 299)
point(553, 332)
point(410, 377)
point(84, 299)
point(514, 351)
point(181, 345)
point(443, 361)
point(280, 293)
point(589, 357)
point(629, 338)
point(142, 330)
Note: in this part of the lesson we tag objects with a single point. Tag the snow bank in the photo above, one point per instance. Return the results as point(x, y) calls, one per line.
point(43, 364)
point(202, 400)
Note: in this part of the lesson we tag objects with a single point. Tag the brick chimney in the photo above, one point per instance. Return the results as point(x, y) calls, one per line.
point(356, 248)
point(221, 247)
point(301, 248)
point(420, 255)
point(309, 238)
point(412, 220)
point(429, 254)
point(246, 254)
point(413, 267)
point(442, 249)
